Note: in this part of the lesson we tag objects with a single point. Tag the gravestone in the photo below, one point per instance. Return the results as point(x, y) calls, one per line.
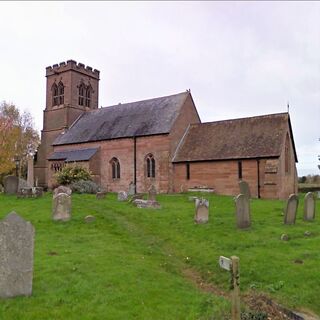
point(291, 209)
point(16, 251)
point(309, 207)
point(89, 218)
point(22, 184)
point(24, 193)
point(244, 189)
point(62, 189)
point(242, 211)
point(37, 192)
point(122, 196)
point(140, 203)
point(152, 192)
point(101, 195)
point(132, 189)
point(61, 207)
point(202, 211)
point(11, 184)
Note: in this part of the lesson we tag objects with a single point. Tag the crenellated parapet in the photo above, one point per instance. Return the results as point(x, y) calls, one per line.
point(72, 65)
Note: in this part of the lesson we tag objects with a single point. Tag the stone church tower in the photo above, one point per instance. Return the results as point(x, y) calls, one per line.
point(72, 89)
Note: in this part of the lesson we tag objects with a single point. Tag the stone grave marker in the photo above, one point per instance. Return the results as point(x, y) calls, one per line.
point(101, 195)
point(132, 189)
point(37, 192)
point(309, 207)
point(244, 189)
point(291, 209)
point(202, 211)
point(242, 211)
point(16, 251)
point(89, 218)
point(24, 193)
point(61, 207)
point(152, 193)
point(62, 189)
point(11, 184)
point(122, 196)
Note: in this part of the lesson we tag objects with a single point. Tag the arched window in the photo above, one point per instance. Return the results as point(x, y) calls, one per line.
point(287, 155)
point(82, 93)
point(115, 166)
point(61, 92)
point(151, 166)
point(88, 96)
point(55, 95)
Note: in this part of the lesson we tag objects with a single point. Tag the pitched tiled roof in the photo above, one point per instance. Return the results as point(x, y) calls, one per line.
point(74, 155)
point(141, 118)
point(254, 137)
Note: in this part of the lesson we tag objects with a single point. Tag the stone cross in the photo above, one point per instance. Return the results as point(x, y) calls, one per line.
point(30, 174)
point(291, 209)
point(132, 189)
point(243, 211)
point(62, 189)
point(202, 211)
point(61, 207)
point(152, 192)
point(309, 207)
point(244, 189)
point(11, 184)
point(16, 251)
point(122, 196)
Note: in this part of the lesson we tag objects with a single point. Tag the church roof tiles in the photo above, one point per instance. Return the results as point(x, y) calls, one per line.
point(245, 138)
point(141, 118)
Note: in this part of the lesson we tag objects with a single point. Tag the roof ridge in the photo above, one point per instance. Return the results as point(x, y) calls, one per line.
point(244, 118)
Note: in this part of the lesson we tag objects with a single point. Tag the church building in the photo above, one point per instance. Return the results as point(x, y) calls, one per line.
point(160, 142)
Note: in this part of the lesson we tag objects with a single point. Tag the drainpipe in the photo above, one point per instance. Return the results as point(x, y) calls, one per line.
point(135, 163)
point(258, 176)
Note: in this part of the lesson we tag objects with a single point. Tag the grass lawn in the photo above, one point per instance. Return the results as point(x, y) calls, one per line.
point(136, 263)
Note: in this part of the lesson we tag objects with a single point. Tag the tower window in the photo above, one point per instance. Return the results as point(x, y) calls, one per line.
point(57, 94)
point(115, 167)
point(82, 93)
point(188, 170)
point(151, 166)
point(88, 96)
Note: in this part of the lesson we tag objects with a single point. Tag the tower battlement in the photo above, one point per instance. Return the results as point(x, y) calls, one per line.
point(72, 65)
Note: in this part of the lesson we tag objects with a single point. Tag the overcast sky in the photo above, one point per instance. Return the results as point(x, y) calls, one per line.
point(238, 58)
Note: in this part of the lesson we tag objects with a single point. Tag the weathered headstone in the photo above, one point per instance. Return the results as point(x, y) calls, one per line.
point(244, 189)
point(24, 193)
point(136, 196)
point(11, 184)
point(62, 189)
point(61, 207)
point(309, 207)
point(291, 209)
point(101, 195)
point(140, 203)
point(152, 193)
point(22, 184)
point(122, 196)
point(37, 192)
point(16, 251)
point(202, 211)
point(132, 189)
point(243, 211)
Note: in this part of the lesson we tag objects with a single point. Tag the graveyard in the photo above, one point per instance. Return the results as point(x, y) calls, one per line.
point(126, 262)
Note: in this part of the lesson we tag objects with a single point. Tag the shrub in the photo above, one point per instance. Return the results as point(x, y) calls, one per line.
point(83, 186)
point(70, 174)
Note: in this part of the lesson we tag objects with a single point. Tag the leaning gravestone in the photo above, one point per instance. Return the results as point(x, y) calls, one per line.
point(61, 207)
point(202, 211)
point(62, 189)
point(291, 209)
point(243, 211)
point(16, 251)
point(244, 189)
point(122, 196)
point(132, 189)
point(101, 194)
point(152, 192)
point(11, 184)
point(309, 207)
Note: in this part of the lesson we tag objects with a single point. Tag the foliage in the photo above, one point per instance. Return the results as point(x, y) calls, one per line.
point(130, 263)
point(84, 186)
point(72, 173)
point(18, 137)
